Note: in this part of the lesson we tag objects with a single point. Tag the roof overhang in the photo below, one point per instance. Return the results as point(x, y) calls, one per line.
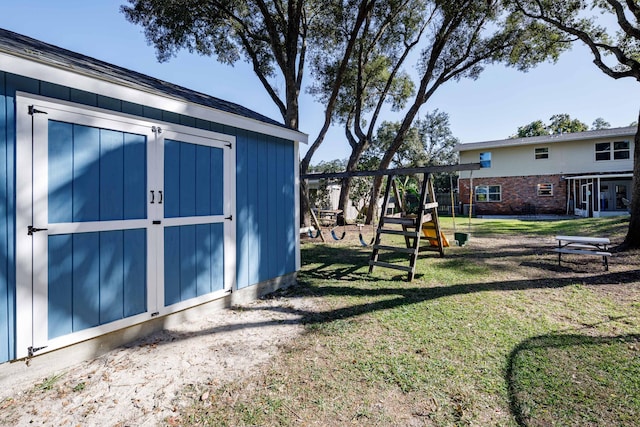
point(601, 176)
point(60, 74)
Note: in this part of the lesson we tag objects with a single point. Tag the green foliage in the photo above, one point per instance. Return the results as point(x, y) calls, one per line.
point(535, 128)
point(607, 27)
point(562, 123)
point(428, 142)
point(270, 35)
point(559, 124)
point(321, 196)
point(49, 382)
point(600, 123)
point(374, 76)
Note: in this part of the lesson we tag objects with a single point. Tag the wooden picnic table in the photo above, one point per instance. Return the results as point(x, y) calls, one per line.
point(584, 245)
point(328, 217)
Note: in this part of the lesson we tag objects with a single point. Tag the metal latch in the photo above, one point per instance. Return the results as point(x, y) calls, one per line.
point(31, 229)
point(32, 350)
point(33, 110)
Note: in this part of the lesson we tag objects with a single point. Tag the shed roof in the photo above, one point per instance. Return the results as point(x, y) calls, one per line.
point(621, 132)
point(22, 46)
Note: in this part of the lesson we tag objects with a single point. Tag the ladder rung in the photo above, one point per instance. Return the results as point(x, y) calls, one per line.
point(431, 205)
point(429, 249)
point(394, 266)
point(403, 221)
point(398, 232)
point(394, 249)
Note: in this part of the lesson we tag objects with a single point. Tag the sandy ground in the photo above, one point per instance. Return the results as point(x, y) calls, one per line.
point(137, 385)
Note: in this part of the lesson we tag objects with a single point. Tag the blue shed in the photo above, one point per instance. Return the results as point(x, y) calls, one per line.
point(124, 199)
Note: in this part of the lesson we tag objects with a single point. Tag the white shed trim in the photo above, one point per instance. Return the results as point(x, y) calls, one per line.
point(30, 67)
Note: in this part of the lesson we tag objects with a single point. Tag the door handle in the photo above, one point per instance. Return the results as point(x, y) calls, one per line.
point(160, 192)
point(152, 197)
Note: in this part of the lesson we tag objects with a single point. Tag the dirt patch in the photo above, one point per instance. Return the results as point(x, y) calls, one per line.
point(138, 384)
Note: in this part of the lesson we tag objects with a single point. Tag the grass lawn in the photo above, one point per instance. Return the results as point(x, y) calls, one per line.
point(495, 333)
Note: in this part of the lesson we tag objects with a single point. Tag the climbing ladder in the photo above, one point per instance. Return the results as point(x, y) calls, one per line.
point(411, 227)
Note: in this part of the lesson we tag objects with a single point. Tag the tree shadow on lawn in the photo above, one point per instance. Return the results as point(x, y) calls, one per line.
point(345, 272)
point(379, 294)
point(416, 294)
point(351, 264)
point(572, 379)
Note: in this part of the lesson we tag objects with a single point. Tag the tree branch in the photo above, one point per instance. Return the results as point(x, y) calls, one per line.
point(626, 26)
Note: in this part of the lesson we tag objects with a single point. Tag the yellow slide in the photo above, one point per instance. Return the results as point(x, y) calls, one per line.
point(429, 231)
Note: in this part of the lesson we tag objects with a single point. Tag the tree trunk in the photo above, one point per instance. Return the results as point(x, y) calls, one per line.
point(305, 216)
point(352, 165)
point(393, 148)
point(373, 203)
point(632, 241)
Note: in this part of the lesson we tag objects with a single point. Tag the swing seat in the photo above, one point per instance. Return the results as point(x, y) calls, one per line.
point(429, 231)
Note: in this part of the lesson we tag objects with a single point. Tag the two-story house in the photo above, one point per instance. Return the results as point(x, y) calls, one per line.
point(584, 173)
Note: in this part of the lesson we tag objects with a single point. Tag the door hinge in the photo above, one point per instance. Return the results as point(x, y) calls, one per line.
point(31, 229)
point(230, 217)
point(156, 129)
point(33, 350)
point(229, 145)
point(32, 111)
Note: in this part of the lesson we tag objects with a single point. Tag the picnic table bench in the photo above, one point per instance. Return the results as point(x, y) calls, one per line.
point(584, 245)
point(328, 217)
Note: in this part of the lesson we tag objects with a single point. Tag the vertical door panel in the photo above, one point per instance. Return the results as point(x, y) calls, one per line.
point(194, 210)
point(60, 258)
point(85, 282)
point(86, 173)
point(60, 155)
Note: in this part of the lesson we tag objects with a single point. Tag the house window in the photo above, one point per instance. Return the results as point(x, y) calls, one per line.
point(488, 193)
point(545, 189)
point(603, 151)
point(542, 153)
point(485, 160)
point(619, 150)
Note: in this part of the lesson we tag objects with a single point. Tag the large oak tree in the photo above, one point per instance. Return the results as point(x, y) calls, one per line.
point(275, 36)
point(462, 38)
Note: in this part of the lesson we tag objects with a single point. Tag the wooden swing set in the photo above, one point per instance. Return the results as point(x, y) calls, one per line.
point(412, 226)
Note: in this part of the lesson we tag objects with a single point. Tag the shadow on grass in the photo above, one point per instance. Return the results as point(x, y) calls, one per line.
point(578, 380)
point(343, 274)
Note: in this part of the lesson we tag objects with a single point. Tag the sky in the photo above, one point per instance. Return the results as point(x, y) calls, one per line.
point(490, 108)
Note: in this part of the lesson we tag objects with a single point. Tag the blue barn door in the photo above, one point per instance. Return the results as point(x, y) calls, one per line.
point(119, 221)
point(195, 259)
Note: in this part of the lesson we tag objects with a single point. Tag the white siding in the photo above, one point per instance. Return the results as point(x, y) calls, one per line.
point(568, 157)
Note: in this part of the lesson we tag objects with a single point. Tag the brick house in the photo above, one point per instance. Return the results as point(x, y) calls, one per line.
point(584, 173)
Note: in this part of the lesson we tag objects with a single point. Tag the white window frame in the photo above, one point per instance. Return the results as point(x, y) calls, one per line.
point(480, 191)
point(621, 150)
point(541, 153)
point(545, 189)
point(606, 151)
point(487, 159)
point(611, 151)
